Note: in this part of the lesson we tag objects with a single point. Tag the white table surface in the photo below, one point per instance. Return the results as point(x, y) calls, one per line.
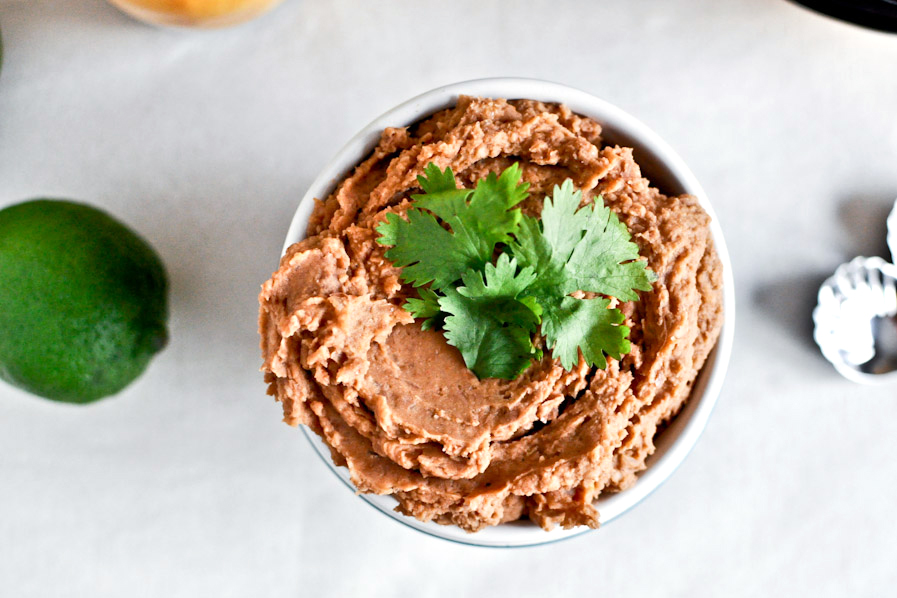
point(187, 484)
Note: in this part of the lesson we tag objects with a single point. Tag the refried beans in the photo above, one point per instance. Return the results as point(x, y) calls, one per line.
point(396, 404)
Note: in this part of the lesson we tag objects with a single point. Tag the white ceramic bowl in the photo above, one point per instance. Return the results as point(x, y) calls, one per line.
point(667, 171)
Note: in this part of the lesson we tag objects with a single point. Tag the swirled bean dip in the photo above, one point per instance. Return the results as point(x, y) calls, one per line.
point(396, 404)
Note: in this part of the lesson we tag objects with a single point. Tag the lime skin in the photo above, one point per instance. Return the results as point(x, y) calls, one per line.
point(83, 301)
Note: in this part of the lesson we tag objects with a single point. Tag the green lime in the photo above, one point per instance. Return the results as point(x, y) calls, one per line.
point(83, 301)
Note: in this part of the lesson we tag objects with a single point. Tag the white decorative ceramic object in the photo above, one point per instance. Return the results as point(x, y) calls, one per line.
point(855, 325)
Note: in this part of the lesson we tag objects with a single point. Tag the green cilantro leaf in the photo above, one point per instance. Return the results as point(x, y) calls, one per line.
point(500, 280)
point(571, 325)
point(489, 324)
point(478, 219)
point(426, 306)
point(580, 249)
point(427, 252)
point(606, 261)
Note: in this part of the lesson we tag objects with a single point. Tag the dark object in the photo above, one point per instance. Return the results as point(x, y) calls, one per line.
point(876, 14)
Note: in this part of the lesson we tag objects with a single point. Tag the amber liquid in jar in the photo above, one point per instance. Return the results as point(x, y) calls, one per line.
point(195, 13)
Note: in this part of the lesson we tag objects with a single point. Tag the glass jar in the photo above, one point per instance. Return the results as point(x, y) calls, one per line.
point(195, 13)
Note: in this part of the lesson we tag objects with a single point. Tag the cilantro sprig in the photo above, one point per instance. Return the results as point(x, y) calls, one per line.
point(479, 219)
point(491, 308)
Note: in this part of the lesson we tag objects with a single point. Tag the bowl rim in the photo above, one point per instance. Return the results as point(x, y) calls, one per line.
point(689, 423)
